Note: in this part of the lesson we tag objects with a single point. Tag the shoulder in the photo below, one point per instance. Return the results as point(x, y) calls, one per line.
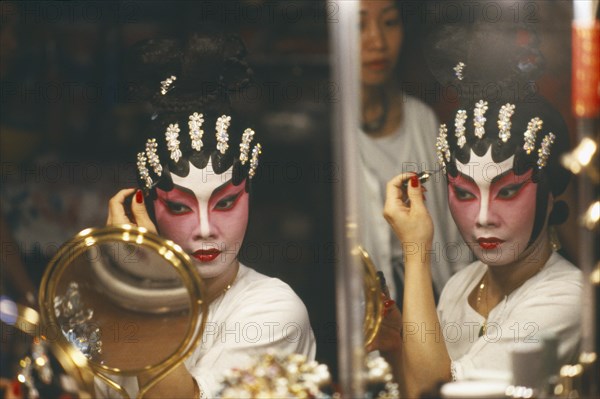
point(415, 108)
point(559, 267)
point(256, 295)
point(253, 283)
point(558, 279)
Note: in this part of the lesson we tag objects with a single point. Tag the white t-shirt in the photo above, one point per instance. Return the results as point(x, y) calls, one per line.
point(547, 303)
point(256, 315)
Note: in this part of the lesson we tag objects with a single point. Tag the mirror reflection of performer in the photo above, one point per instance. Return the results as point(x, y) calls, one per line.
point(195, 191)
point(398, 133)
point(503, 173)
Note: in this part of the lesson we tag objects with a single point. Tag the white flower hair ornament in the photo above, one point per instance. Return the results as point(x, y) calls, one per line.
point(150, 168)
point(443, 148)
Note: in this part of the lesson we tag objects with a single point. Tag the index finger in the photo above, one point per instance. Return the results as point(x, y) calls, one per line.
point(394, 187)
point(401, 178)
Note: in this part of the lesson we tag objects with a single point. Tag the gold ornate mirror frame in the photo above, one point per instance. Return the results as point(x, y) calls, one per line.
point(167, 250)
point(373, 293)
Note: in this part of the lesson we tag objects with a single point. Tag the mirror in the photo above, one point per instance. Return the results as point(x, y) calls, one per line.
point(372, 303)
point(126, 299)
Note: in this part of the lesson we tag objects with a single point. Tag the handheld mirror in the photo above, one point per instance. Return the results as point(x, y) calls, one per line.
point(372, 304)
point(126, 299)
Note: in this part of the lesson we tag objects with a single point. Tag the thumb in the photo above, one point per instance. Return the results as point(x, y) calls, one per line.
point(415, 194)
point(139, 212)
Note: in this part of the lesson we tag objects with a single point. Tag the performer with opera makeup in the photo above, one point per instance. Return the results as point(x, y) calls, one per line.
point(195, 176)
point(501, 161)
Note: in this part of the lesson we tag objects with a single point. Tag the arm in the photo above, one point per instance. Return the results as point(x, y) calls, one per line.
point(425, 359)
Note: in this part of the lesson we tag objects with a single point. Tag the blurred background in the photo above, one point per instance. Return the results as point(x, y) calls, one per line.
point(69, 134)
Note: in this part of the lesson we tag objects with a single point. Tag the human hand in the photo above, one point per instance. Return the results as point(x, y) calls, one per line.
point(389, 336)
point(410, 219)
point(117, 214)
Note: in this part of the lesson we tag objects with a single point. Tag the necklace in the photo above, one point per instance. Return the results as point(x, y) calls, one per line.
point(480, 290)
point(483, 328)
point(230, 283)
point(378, 123)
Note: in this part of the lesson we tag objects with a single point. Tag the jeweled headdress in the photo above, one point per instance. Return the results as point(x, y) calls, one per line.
point(493, 68)
point(504, 133)
point(149, 160)
point(188, 82)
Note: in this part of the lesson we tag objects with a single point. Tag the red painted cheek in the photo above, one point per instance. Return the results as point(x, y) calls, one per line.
point(174, 227)
point(464, 213)
point(519, 210)
point(231, 220)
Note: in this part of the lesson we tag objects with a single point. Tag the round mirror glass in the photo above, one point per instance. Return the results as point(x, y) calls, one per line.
point(127, 300)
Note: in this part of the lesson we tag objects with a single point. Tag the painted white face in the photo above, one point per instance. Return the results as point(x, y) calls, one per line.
point(206, 215)
point(493, 208)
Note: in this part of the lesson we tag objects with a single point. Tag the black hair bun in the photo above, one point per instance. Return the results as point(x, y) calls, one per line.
point(220, 61)
point(502, 60)
point(208, 68)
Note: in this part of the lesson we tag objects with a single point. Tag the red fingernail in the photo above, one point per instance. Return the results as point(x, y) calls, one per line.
point(414, 181)
point(389, 303)
point(139, 197)
point(16, 388)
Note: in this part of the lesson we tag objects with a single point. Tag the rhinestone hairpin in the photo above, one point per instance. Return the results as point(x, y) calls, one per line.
point(459, 127)
point(256, 151)
point(544, 150)
point(153, 159)
point(533, 127)
point(222, 137)
point(245, 145)
point(172, 136)
point(195, 128)
point(165, 85)
point(479, 118)
point(504, 123)
point(143, 170)
point(458, 70)
point(441, 146)
point(149, 158)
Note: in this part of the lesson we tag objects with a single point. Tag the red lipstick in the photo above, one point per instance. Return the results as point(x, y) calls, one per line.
point(489, 243)
point(206, 255)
